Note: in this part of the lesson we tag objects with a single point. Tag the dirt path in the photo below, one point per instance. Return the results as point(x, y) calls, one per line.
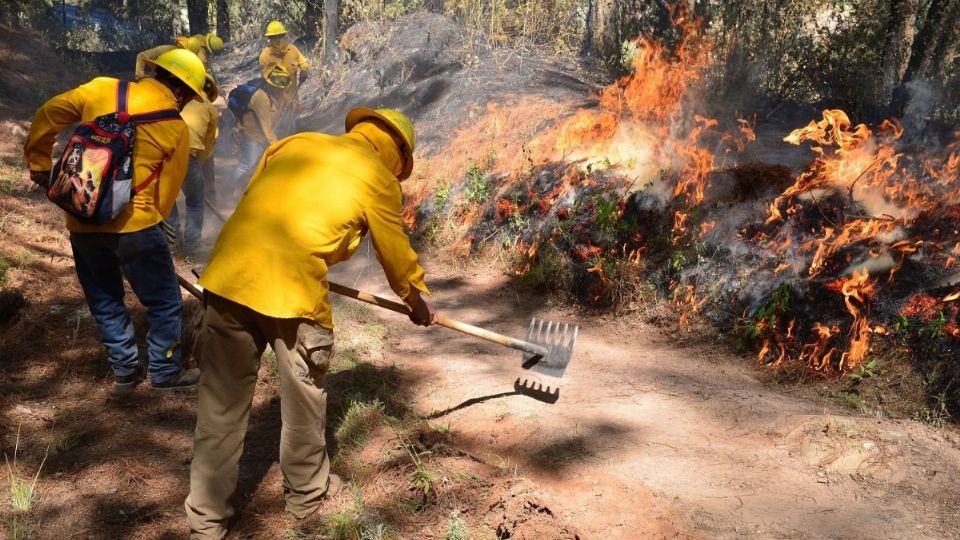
point(652, 437)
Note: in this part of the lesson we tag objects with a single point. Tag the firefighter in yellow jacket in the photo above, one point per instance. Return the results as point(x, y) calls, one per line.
point(310, 202)
point(202, 120)
point(257, 126)
point(132, 245)
point(202, 45)
point(282, 53)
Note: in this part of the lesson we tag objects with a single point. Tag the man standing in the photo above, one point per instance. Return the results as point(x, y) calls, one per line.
point(280, 52)
point(308, 206)
point(132, 245)
point(202, 120)
point(257, 126)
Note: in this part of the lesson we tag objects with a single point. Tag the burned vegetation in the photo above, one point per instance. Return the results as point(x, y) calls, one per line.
point(822, 264)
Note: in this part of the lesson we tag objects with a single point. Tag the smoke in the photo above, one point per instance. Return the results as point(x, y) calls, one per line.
point(922, 98)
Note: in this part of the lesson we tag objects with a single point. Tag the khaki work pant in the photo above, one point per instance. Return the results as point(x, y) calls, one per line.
point(229, 344)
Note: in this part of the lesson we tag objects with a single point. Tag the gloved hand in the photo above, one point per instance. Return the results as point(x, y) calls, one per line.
point(40, 178)
point(303, 76)
point(421, 312)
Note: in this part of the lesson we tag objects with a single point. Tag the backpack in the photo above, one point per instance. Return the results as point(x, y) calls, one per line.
point(93, 179)
point(238, 101)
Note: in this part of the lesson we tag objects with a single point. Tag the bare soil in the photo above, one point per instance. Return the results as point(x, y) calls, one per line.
point(654, 435)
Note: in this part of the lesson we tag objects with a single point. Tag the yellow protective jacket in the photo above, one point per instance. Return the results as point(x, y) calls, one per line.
point(260, 121)
point(202, 120)
point(311, 200)
point(140, 70)
point(165, 144)
point(290, 57)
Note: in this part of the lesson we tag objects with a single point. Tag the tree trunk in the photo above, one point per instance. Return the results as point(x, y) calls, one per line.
point(939, 25)
point(601, 15)
point(898, 43)
point(197, 16)
point(949, 44)
point(312, 17)
point(223, 19)
point(331, 29)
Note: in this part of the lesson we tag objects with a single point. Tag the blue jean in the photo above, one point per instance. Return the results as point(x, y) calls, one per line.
point(102, 260)
point(250, 152)
point(193, 188)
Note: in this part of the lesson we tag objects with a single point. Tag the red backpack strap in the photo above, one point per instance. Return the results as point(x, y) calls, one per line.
point(154, 173)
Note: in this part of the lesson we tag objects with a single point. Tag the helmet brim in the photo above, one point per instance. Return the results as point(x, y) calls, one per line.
point(199, 96)
point(359, 114)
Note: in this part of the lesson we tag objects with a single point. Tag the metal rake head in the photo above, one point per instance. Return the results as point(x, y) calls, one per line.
point(557, 339)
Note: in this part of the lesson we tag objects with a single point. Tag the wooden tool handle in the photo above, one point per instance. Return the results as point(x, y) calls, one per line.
point(441, 320)
point(507, 341)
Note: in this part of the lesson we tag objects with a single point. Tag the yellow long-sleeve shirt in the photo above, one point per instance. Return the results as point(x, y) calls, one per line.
point(163, 143)
point(312, 198)
point(202, 120)
point(290, 57)
point(260, 121)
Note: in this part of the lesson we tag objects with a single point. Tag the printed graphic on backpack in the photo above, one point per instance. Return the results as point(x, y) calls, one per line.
point(93, 179)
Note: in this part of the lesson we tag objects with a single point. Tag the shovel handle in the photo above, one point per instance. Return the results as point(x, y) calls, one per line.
point(447, 322)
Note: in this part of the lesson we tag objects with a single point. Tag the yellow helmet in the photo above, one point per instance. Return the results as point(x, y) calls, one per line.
point(214, 42)
point(275, 28)
point(190, 43)
point(211, 88)
point(183, 65)
point(401, 125)
point(279, 77)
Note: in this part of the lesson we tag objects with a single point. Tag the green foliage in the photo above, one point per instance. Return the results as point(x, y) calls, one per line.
point(902, 324)
point(769, 314)
point(607, 216)
point(422, 478)
point(937, 415)
point(358, 422)
point(457, 528)
point(271, 357)
point(477, 188)
point(865, 371)
point(22, 490)
point(359, 522)
point(442, 195)
point(5, 266)
point(550, 270)
point(934, 329)
point(557, 25)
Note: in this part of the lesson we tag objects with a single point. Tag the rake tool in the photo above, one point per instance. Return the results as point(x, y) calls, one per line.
point(547, 349)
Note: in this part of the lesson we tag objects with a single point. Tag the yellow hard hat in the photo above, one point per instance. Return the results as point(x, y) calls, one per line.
point(275, 28)
point(279, 77)
point(214, 42)
point(211, 88)
point(192, 43)
point(401, 125)
point(183, 65)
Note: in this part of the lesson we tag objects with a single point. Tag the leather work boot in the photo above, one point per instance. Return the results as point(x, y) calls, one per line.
point(186, 379)
point(128, 383)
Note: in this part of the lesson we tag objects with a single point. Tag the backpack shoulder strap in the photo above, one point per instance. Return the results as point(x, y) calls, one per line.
point(123, 92)
point(155, 116)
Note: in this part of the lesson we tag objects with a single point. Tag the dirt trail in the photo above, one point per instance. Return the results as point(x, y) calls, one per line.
point(654, 437)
